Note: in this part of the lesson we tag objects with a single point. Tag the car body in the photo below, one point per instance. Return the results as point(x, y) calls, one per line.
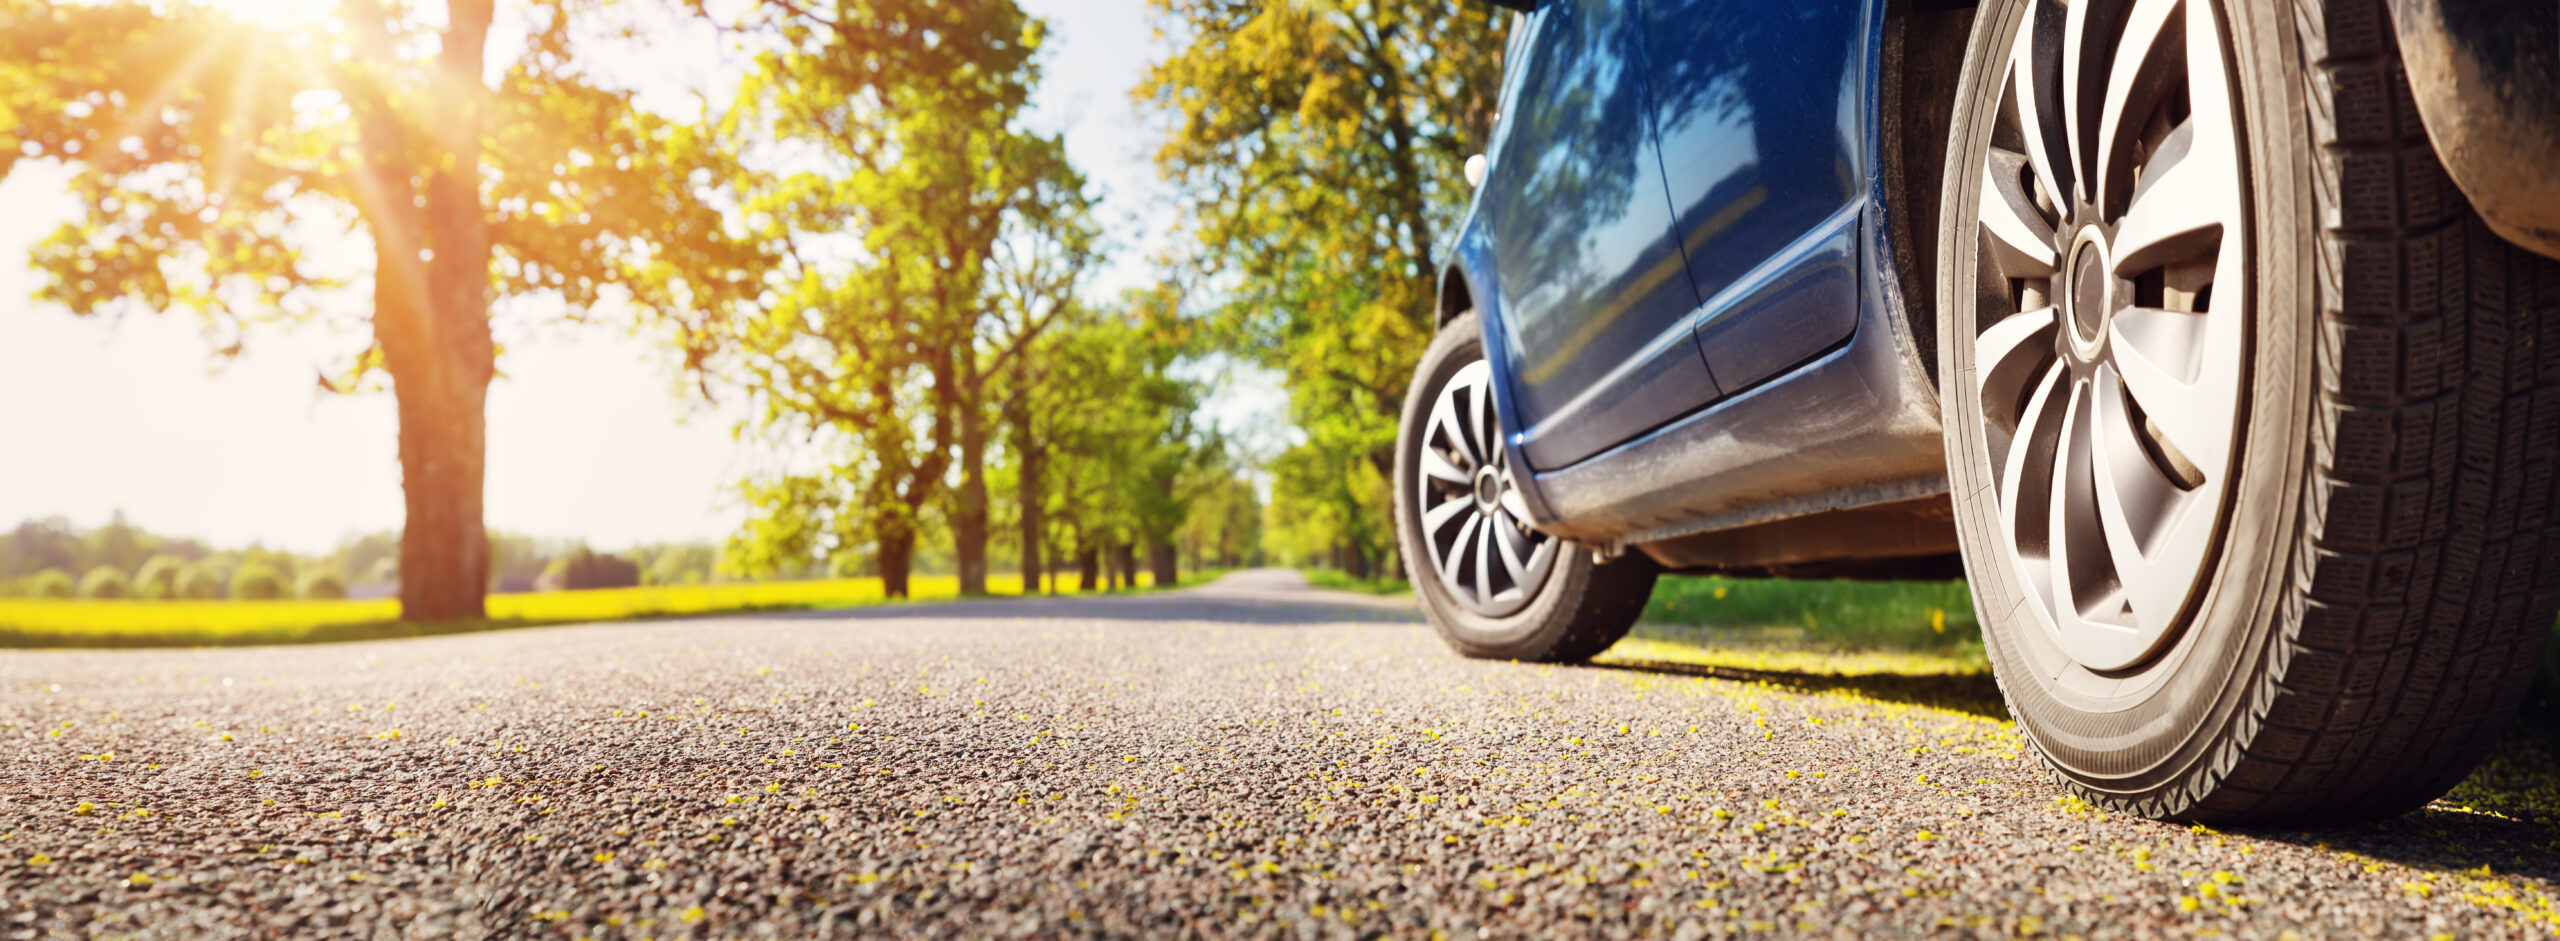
point(1701, 254)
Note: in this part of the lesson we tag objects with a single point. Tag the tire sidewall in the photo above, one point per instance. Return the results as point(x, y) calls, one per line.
point(1538, 627)
point(2145, 744)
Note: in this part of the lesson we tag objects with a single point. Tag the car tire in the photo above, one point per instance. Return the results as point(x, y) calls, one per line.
point(1493, 587)
point(2333, 607)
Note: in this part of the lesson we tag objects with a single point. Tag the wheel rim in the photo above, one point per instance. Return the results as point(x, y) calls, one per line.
point(2112, 326)
point(1473, 524)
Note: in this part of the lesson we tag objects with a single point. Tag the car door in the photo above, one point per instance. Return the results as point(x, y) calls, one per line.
point(1595, 296)
point(1757, 107)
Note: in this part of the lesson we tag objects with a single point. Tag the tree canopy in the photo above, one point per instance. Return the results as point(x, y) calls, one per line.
point(1318, 149)
point(220, 163)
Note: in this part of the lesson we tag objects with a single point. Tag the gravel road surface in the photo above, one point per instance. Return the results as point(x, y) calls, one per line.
point(1251, 758)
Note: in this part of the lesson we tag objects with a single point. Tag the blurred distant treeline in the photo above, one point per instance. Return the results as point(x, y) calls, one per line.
point(51, 558)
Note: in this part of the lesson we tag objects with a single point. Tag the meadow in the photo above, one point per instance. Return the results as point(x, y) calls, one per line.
point(26, 622)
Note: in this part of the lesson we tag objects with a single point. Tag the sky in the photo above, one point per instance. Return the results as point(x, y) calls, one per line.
point(590, 434)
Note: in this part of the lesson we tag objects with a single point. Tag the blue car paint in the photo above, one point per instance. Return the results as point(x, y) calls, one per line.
point(1855, 422)
point(1597, 293)
point(1760, 109)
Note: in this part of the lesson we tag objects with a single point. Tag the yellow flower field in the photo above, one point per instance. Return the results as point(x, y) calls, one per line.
point(26, 622)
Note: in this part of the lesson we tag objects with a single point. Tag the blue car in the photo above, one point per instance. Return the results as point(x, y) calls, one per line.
point(2215, 342)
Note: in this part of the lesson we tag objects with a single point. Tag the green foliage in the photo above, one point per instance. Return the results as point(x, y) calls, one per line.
point(581, 569)
point(1329, 506)
point(106, 583)
point(1318, 148)
point(1894, 615)
point(36, 545)
point(256, 581)
point(1116, 428)
point(50, 583)
point(321, 584)
point(158, 578)
point(1336, 580)
point(195, 583)
point(681, 564)
point(213, 155)
point(923, 240)
point(1223, 528)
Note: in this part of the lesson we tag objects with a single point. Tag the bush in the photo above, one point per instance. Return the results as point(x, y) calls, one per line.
point(320, 584)
point(583, 569)
point(158, 579)
point(105, 583)
point(197, 584)
point(50, 583)
point(256, 581)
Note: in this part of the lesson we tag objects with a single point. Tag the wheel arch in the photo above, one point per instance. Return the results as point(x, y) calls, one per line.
point(1917, 74)
point(1455, 296)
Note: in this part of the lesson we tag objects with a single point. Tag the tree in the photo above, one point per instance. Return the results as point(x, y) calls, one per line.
point(911, 200)
point(214, 158)
point(158, 578)
point(1223, 528)
point(256, 580)
point(105, 583)
point(37, 545)
point(196, 584)
point(1119, 427)
point(321, 584)
point(1318, 149)
point(50, 583)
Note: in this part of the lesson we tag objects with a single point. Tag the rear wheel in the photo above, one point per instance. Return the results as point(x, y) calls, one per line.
point(1491, 585)
point(2251, 424)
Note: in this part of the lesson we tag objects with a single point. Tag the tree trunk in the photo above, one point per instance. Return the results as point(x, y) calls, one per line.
point(1088, 569)
point(1028, 494)
point(1358, 556)
point(897, 549)
point(444, 551)
point(969, 519)
point(431, 319)
point(1124, 560)
point(1160, 557)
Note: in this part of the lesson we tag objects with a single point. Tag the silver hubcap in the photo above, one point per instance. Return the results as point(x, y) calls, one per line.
point(2113, 221)
point(1472, 521)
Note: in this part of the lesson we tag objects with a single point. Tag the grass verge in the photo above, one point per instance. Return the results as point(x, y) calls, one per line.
point(59, 623)
point(1338, 581)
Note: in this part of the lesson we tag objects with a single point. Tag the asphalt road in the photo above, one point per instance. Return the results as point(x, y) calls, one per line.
point(1254, 758)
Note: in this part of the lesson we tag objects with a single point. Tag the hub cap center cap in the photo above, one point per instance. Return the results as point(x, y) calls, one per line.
point(2092, 295)
point(1488, 488)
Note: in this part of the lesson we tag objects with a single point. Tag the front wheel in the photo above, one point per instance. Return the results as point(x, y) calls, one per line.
point(1491, 585)
point(2251, 424)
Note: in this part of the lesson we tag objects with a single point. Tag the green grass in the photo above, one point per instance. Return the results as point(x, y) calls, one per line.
point(1885, 615)
point(1337, 581)
point(1837, 628)
point(58, 623)
point(1833, 627)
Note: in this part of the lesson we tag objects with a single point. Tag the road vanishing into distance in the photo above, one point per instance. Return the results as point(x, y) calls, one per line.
point(1250, 758)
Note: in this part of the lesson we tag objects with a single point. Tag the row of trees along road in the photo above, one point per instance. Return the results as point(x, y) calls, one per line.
point(1317, 148)
point(923, 319)
point(867, 243)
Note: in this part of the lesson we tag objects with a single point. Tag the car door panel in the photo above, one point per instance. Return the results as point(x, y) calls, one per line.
point(1595, 294)
point(1795, 306)
point(1757, 106)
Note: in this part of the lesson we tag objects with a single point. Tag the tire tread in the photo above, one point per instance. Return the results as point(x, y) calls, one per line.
point(2427, 595)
